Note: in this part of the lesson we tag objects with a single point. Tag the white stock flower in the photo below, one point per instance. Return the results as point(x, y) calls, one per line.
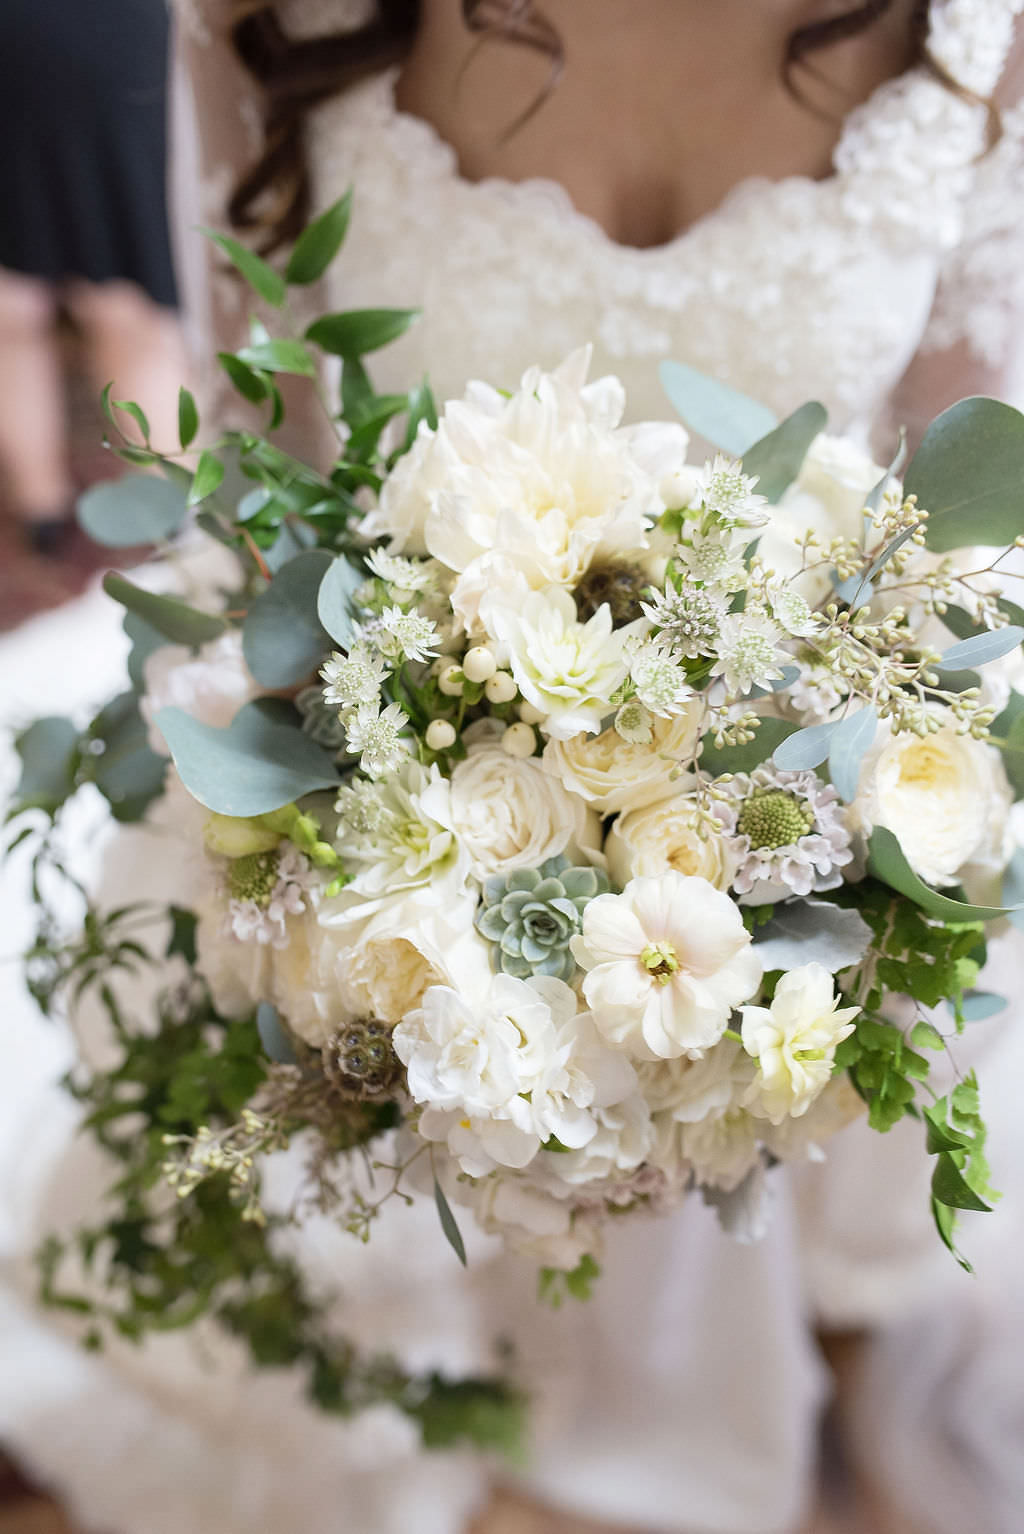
point(581, 1077)
point(666, 961)
point(794, 1042)
point(721, 1148)
point(944, 796)
point(567, 669)
point(689, 1090)
point(211, 685)
point(534, 1222)
point(546, 475)
point(374, 735)
point(509, 813)
point(398, 831)
point(614, 774)
point(621, 1143)
point(748, 652)
point(669, 834)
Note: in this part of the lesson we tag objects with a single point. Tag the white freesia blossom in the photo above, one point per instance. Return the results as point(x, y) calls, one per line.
point(620, 1145)
point(614, 774)
point(509, 813)
point(794, 1042)
point(666, 961)
point(669, 834)
point(944, 796)
point(567, 669)
point(398, 831)
point(211, 684)
point(546, 473)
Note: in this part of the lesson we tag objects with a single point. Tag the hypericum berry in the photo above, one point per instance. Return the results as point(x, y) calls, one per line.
point(440, 734)
point(519, 740)
point(450, 680)
point(360, 1060)
point(500, 688)
point(479, 664)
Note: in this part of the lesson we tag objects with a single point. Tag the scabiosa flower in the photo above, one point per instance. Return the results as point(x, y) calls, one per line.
point(354, 679)
point(725, 490)
point(264, 888)
point(659, 679)
point(690, 618)
point(375, 736)
point(748, 652)
point(788, 831)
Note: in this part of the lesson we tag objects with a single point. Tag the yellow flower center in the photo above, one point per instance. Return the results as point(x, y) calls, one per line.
point(660, 961)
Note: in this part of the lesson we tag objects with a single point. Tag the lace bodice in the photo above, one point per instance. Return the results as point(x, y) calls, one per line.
point(791, 290)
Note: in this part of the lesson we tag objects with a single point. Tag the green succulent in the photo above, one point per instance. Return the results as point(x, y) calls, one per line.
point(530, 915)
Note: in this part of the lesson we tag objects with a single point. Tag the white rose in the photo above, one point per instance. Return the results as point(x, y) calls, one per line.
point(666, 961)
point(794, 1042)
point(945, 798)
point(611, 774)
point(826, 498)
point(211, 685)
point(509, 813)
point(665, 835)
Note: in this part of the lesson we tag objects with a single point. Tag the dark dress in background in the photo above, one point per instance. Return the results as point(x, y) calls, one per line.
point(83, 141)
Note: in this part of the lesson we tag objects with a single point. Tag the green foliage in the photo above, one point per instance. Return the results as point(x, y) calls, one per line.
point(283, 640)
point(968, 474)
point(359, 331)
point(260, 762)
point(777, 459)
point(887, 862)
point(453, 1235)
point(555, 1285)
point(319, 243)
point(175, 620)
point(260, 277)
point(137, 509)
point(732, 421)
point(117, 757)
point(770, 733)
point(50, 753)
point(956, 1136)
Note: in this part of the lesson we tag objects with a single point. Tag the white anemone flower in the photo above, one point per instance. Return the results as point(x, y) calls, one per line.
point(794, 1042)
point(666, 961)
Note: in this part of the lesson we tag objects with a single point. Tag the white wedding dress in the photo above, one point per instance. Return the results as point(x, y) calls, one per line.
point(684, 1396)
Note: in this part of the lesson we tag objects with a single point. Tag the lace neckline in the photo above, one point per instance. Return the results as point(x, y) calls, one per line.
point(908, 124)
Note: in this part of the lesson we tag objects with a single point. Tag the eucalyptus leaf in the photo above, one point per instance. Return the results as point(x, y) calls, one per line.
point(852, 737)
point(359, 331)
point(805, 748)
point(175, 620)
point(855, 591)
point(283, 640)
point(334, 602)
point(273, 1037)
point(257, 764)
point(888, 863)
point(812, 931)
point(1012, 893)
point(448, 1225)
point(144, 640)
point(319, 243)
point(777, 459)
point(279, 357)
point(977, 1006)
point(128, 772)
point(188, 418)
point(968, 474)
point(894, 545)
point(49, 752)
point(981, 648)
point(260, 277)
point(137, 509)
point(725, 417)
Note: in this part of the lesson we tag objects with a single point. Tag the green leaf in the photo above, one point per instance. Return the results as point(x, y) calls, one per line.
point(422, 407)
point(924, 1036)
point(725, 417)
point(128, 773)
point(357, 394)
point(771, 732)
point(175, 620)
point(283, 640)
point(950, 1187)
point(805, 748)
point(853, 736)
point(144, 640)
point(49, 762)
point(258, 763)
point(317, 246)
point(273, 1037)
point(359, 331)
point(182, 940)
point(981, 648)
point(260, 277)
point(968, 474)
point(248, 384)
point(136, 509)
point(279, 357)
point(778, 458)
point(188, 418)
point(448, 1225)
point(137, 414)
point(207, 479)
point(334, 601)
point(888, 863)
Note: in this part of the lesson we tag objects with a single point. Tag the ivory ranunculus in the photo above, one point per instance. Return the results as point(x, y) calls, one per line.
point(509, 813)
point(611, 774)
point(666, 835)
point(666, 961)
point(794, 1042)
point(945, 798)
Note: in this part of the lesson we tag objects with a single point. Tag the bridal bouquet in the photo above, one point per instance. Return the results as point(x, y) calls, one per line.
point(577, 824)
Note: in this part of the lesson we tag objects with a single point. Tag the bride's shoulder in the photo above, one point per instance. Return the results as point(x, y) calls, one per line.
point(205, 20)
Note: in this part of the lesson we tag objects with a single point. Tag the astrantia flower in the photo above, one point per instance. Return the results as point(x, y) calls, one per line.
point(633, 723)
point(657, 674)
point(566, 669)
point(690, 618)
point(748, 652)
point(666, 961)
point(399, 831)
point(264, 889)
point(715, 558)
point(375, 737)
point(794, 1042)
point(788, 833)
point(354, 679)
point(403, 574)
point(407, 636)
point(725, 490)
point(793, 613)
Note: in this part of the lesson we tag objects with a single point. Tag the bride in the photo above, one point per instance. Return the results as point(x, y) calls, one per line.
point(808, 198)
